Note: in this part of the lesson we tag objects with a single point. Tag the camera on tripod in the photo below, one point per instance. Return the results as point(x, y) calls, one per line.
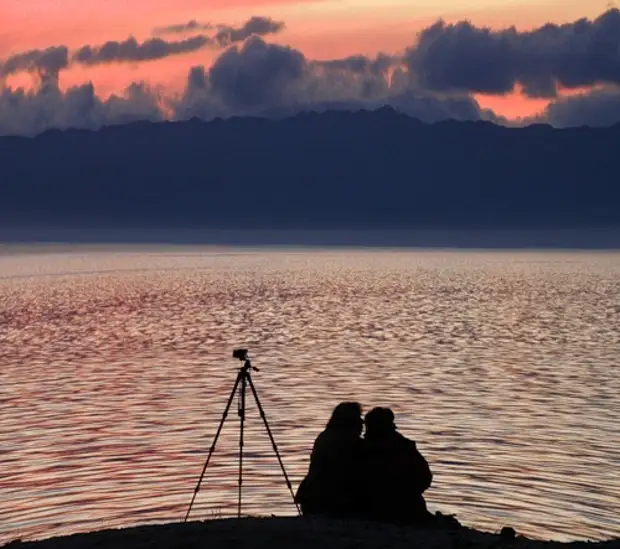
point(241, 354)
point(243, 381)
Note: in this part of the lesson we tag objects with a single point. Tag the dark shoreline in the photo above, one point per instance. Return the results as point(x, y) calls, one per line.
point(300, 533)
point(465, 239)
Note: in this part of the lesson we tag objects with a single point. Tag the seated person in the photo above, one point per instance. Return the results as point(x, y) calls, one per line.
point(396, 474)
point(332, 486)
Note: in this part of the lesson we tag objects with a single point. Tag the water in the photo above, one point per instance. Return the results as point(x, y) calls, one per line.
point(116, 367)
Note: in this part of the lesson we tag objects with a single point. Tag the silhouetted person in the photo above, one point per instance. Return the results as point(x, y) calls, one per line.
point(333, 485)
point(396, 473)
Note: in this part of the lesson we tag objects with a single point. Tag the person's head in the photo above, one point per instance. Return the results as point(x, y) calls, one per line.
point(379, 421)
point(347, 416)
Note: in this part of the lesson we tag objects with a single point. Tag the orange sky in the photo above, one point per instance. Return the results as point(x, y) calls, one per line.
point(320, 28)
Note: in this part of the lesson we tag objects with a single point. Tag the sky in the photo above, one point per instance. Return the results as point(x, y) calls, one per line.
point(156, 49)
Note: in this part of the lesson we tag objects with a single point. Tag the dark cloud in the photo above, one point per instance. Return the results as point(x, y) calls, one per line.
point(255, 26)
point(271, 80)
point(360, 64)
point(597, 108)
point(197, 100)
point(256, 78)
point(50, 61)
point(364, 77)
point(257, 74)
point(259, 77)
point(131, 51)
point(43, 62)
point(227, 35)
point(431, 108)
point(32, 112)
point(467, 58)
point(180, 28)
point(463, 57)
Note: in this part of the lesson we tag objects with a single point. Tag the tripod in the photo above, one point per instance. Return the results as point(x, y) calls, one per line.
point(244, 379)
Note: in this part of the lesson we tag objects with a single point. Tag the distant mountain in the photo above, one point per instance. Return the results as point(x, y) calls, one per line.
point(366, 170)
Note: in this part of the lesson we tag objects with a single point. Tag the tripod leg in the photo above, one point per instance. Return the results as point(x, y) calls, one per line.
point(241, 425)
point(273, 442)
point(217, 434)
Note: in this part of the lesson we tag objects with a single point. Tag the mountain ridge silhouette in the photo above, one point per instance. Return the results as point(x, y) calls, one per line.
point(332, 169)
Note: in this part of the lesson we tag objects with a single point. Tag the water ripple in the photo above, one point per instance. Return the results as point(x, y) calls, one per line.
point(117, 367)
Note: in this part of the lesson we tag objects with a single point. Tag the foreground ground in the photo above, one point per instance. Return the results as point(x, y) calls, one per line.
point(297, 533)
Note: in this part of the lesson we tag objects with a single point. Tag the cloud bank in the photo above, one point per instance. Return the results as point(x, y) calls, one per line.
point(463, 57)
point(434, 80)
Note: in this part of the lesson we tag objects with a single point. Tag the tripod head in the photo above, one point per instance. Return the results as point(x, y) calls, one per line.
point(242, 354)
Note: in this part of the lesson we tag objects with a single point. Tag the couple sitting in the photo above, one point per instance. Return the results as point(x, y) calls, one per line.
point(379, 477)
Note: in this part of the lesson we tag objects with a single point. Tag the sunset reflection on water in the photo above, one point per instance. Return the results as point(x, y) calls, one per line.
point(116, 368)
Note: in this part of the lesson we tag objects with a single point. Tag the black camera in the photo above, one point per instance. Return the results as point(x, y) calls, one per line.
point(241, 354)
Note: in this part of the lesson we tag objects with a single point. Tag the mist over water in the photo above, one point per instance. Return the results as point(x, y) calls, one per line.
point(116, 367)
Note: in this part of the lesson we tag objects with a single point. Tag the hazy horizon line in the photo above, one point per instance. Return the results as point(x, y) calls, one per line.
point(500, 238)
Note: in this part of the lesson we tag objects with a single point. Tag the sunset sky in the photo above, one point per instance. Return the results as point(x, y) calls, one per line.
point(320, 29)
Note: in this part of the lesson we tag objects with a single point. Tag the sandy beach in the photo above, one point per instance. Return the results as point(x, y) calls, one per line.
point(300, 533)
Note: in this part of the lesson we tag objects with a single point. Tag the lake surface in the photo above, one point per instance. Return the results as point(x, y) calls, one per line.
point(116, 368)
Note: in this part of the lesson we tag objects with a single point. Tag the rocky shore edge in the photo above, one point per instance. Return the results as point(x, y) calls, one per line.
point(297, 533)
